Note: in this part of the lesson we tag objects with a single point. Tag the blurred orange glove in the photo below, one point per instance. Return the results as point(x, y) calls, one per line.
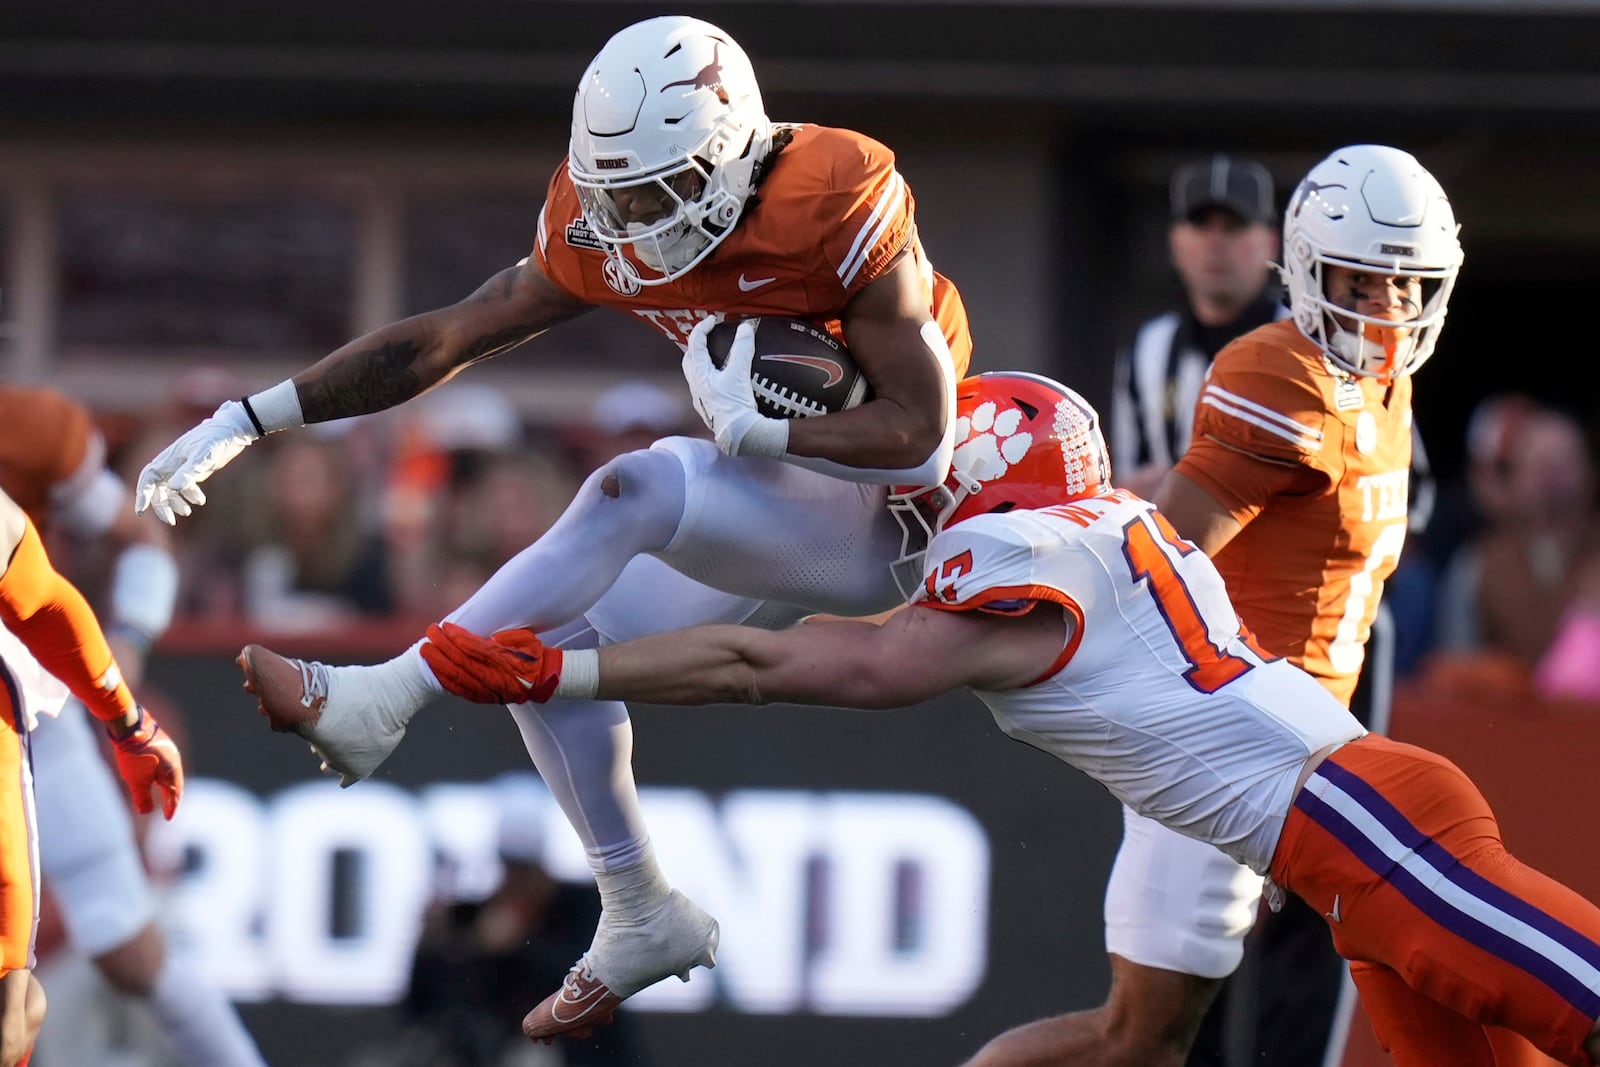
point(511, 667)
point(145, 758)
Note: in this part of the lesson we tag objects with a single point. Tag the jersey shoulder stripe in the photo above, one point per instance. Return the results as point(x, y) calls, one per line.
point(1268, 393)
point(889, 205)
point(1307, 438)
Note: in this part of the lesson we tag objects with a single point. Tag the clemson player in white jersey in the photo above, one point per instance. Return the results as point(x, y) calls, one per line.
point(1295, 483)
point(53, 464)
point(679, 200)
point(47, 632)
point(1095, 633)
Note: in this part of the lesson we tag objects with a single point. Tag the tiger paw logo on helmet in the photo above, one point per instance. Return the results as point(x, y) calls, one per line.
point(1023, 441)
point(990, 440)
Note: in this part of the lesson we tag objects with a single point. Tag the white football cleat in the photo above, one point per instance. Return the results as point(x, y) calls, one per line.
point(351, 718)
point(623, 959)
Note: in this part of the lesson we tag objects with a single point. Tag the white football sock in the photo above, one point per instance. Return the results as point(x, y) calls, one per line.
point(583, 749)
point(408, 676)
point(633, 893)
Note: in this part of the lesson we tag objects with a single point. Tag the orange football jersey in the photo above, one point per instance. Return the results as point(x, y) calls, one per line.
point(828, 218)
point(45, 440)
point(1325, 523)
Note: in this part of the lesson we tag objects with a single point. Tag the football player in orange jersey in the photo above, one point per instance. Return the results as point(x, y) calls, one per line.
point(48, 624)
point(1295, 482)
point(53, 464)
point(679, 200)
point(1096, 634)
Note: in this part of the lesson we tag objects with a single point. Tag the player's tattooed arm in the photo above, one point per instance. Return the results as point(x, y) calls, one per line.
point(400, 361)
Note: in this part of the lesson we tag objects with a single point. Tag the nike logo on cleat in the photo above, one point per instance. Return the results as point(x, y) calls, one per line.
point(582, 992)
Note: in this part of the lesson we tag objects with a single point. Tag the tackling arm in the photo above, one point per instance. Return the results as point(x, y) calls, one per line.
point(48, 614)
point(911, 656)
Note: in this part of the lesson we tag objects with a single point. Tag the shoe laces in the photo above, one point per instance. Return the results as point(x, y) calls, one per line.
point(580, 972)
point(313, 681)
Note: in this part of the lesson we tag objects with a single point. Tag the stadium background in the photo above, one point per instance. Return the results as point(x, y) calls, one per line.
point(252, 183)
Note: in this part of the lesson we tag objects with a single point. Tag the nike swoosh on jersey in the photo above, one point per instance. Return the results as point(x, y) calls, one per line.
point(747, 284)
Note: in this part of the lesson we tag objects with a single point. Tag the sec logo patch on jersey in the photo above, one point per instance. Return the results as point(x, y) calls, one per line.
point(799, 369)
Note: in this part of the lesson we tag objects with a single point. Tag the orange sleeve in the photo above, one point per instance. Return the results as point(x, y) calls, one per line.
point(50, 616)
point(867, 215)
point(1240, 482)
point(1262, 398)
point(564, 236)
point(1260, 424)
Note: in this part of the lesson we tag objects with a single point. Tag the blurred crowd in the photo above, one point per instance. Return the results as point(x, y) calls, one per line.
point(1509, 568)
point(398, 516)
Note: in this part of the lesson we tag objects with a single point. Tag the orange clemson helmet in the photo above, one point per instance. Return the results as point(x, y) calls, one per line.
point(1022, 441)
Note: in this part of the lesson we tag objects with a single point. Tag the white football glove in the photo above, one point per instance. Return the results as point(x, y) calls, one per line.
point(170, 483)
point(725, 398)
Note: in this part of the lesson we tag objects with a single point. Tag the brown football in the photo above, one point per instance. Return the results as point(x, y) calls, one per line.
point(799, 369)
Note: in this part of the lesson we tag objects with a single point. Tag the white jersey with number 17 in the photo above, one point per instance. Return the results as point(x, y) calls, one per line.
point(1160, 694)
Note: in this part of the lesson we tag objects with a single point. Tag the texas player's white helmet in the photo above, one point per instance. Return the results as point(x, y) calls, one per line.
point(667, 124)
point(1374, 208)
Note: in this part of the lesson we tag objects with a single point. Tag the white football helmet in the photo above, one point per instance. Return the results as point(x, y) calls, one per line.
point(667, 135)
point(1375, 208)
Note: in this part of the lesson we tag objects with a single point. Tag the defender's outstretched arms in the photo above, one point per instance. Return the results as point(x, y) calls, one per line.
point(914, 655)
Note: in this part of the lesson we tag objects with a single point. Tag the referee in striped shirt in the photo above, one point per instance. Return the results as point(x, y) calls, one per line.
point(1223, 241)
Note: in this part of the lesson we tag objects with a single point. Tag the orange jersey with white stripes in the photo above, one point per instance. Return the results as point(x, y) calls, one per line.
point(1307, 569)
point(831, 216)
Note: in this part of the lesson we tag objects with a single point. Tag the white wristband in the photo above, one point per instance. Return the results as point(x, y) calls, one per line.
point(580, 674)
point(766, 437)
point(277, 408)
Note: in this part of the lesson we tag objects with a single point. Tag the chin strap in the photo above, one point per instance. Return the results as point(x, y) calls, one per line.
point(1378, 351)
